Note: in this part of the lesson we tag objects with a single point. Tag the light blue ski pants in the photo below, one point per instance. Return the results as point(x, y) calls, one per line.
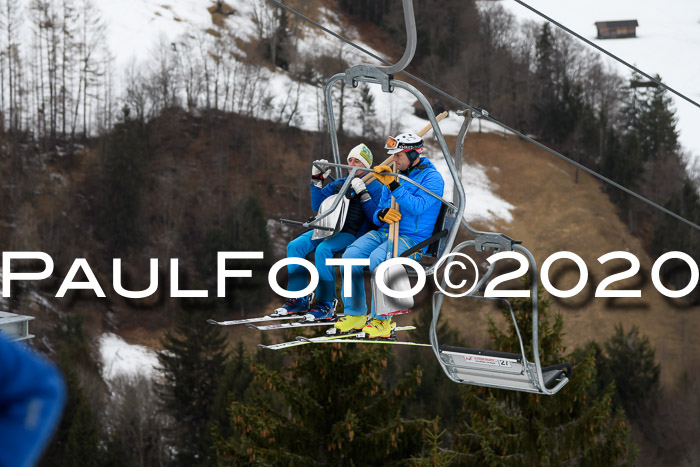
point(372, 245)
point(325, 248)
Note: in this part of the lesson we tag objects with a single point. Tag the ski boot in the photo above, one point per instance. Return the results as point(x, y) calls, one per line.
point(324, 311)
point(379, 328)
point(348, 324)
point(295, 306)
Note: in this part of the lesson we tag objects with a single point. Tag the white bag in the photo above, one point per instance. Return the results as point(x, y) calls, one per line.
point(335, 220)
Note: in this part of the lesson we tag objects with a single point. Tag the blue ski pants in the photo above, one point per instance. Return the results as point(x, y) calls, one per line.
point(325, 248)
point(372, 245)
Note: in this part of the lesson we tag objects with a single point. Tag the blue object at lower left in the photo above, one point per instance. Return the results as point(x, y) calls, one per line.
point(32, 395)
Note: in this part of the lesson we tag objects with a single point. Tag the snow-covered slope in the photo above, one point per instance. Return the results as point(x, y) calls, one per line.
point(136, 28)
point(122, 359)
point(668, 43)
point(133, 27)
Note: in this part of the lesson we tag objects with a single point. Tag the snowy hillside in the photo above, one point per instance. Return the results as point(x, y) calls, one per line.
point(119, 358)
point(667, 43)
point(136, 29)
point(668, 39)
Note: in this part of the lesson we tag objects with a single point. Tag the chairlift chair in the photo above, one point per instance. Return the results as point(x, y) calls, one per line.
point(513, 371)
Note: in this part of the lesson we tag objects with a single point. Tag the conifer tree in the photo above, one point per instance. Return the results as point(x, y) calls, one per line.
point(546, 99)
point(245, 229)
point(433, 453)
point(436, 395)
point(672, 235)
point(629, 358)
point(515, 428)
point(192, 362)
point(329, 406)
point(235, 380)
point(76, 441)
point(122, 181)
point(656, 124)
point(622, 162)
point(366, 108)
point(278, 45)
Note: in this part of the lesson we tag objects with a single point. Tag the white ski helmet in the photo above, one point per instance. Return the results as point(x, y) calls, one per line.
point(403, 142)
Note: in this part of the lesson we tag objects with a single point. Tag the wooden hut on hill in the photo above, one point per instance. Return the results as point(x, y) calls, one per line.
point(617, 29)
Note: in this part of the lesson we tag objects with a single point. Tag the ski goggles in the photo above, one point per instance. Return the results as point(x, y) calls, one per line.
point(391, 143)
point(393, 146)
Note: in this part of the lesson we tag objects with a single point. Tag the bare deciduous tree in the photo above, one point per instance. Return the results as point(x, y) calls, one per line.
point(136, 423)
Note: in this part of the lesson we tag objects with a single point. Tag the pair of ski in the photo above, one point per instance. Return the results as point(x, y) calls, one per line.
point(306, 320)
point(351, 337)
point(301, 321)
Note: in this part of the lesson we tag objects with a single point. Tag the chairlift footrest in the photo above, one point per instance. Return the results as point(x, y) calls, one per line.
point(501, 370)
point(553, 373)
point(481, 353)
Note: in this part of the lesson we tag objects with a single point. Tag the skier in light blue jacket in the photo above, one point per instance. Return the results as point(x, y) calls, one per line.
point(419, 212)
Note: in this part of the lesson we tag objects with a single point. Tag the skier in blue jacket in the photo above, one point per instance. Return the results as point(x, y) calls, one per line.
point(419, 212)
point(32, 394)
point(363, 204)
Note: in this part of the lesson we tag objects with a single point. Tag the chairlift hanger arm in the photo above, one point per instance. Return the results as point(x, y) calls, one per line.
point(387, 71)
point(409, 18)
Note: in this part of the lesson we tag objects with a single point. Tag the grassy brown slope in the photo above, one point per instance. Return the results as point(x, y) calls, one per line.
point(554, 213)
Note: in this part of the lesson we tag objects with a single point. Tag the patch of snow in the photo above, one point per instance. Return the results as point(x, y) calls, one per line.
point(282, 99)
point(279, 236)
point(58, 179)
point(122, 359)
point(133, 26)
point(481, 203)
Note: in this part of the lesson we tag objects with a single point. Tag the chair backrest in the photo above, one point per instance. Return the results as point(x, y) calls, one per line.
point(445, 221)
